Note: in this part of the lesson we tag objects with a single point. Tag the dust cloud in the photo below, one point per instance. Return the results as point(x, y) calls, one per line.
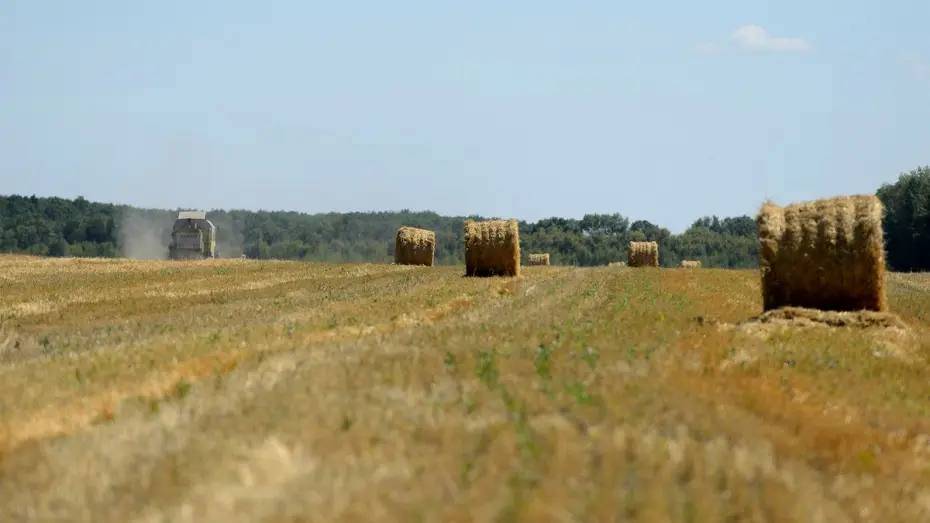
point(145, 235)
point(230, 238)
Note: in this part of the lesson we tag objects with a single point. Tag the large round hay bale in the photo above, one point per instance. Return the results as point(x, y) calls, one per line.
point(690, 264)
point(536, 258)
point(492, 248)
point(643, 254)
point(414, 246)
point(826, 254)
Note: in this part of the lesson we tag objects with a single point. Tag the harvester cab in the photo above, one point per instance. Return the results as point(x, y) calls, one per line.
point(193, 237)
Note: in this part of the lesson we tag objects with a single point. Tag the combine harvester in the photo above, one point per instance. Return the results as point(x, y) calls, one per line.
point(193, 237)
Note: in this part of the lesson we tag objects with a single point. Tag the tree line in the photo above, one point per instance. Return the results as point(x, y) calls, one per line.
point(78, 227)
point(64, 227)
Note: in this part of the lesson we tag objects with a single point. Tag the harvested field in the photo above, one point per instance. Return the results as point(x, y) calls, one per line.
point(283, 391)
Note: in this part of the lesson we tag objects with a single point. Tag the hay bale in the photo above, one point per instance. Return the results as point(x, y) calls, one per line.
point(690, 264)
point(826, 254)
point(492, 248)
point(538, 259)
point(414, 246)
point(617, 264)
point(643, 254)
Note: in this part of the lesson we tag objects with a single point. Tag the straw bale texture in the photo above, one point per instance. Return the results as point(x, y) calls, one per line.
point(690, 264)
point(643, 254)
point(538, 259)
point(492, 248)
point(414, 246)
point(826, 254)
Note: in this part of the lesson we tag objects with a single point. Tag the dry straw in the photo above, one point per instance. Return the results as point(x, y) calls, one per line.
point(538, 259)
point(414, 246)
point(826, 254)
point(800, 317)
point(643, 254)
point(690, 264)
point(492, 248)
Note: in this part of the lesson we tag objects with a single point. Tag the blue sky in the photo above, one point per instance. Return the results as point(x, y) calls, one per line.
point(656, 110)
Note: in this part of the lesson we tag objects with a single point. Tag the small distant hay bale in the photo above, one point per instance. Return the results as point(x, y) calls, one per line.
point(826, 254)
point(538, 259)
point(492, 248)
point(414, 246)
point(617, 264)
point(690, 264)
point(643, 254)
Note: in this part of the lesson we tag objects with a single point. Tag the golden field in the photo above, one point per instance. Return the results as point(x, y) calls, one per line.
point(242, 390)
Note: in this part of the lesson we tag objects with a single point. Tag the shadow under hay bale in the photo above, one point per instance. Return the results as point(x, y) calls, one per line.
point(538, 259)
point(690, 264)
point(492, 248)
point(414, 246)
point(826, 254)
point(886, 333)
point(643, 254)
point(800, 316)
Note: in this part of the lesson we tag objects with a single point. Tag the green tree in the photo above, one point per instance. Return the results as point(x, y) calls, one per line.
point(58, 247)
point(907, 220)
